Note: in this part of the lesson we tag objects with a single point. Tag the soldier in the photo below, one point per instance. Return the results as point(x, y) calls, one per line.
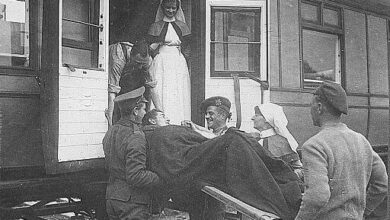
point(217, 114)
point(129, 70)
point(344, 177)
point(124, 144)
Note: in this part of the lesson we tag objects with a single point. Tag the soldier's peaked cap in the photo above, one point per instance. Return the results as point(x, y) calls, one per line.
point(218, 101)
point(131, 98)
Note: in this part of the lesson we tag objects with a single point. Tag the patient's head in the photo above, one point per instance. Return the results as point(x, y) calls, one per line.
point(155, 117)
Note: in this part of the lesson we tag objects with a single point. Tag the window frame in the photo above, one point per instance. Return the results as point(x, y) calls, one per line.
point(34, 43)
point(96, 31)
point(236, 6)
point(322, 27)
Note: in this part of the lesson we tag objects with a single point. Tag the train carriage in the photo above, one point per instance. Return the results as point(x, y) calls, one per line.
point(53, 77)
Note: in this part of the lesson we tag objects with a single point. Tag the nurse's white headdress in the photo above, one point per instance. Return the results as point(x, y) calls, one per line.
point(179, 13)
point(275, 116)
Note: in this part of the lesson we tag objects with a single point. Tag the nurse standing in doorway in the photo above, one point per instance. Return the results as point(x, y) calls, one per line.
point(169, 37)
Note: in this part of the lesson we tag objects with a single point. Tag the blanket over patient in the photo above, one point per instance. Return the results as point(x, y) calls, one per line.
point(233, 163)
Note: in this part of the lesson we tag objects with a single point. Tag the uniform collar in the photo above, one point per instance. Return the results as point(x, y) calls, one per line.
point(333, 125)
point(220, 131)
point(166, 19)
point(127, 121)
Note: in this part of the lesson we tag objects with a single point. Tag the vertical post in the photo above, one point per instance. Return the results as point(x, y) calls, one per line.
point(237, 100)
point(388, 145)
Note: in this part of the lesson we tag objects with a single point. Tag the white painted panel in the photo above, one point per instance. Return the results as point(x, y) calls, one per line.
point(83, 93)
point(81, 116)
point(83, 73)
point(83, 105)
point(81, 128)
point(80, 139)
point(80, 152)
point(79, 82)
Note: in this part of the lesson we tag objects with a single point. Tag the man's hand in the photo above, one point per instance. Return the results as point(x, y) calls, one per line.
point(187, 123)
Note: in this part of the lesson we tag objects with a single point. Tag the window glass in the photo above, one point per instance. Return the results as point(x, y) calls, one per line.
point(80, 33)
point(309, 12)
point(235, 26)
point(77, 57)
point(321, 57)
point(75, 10)
point(235, 41)
point(331, 17)
point(14, 34)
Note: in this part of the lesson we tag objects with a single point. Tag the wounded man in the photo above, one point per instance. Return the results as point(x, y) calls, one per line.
point(233, 163)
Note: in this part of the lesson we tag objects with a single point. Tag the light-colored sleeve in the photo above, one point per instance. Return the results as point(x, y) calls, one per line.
point(377, 186)
point(117, 62)
point(317, 191)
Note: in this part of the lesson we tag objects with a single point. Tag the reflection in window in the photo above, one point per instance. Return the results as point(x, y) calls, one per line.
point(14, 33)
point(80, 33)
point(235, 41)
point(321, 58)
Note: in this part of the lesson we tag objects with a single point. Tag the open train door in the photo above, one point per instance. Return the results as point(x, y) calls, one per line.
point(230, 38)
point(74, 83)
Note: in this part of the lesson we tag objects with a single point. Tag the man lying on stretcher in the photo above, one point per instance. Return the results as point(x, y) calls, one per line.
point(233, 162)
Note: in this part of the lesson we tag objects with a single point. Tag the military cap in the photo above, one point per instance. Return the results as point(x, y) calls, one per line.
point(218, 101)
point(131, 99)
point(334, 95)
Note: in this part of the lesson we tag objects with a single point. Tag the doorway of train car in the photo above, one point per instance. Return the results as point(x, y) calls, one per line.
point(20, 134)
point(131, 19)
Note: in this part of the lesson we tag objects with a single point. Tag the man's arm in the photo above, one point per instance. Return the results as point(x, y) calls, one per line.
point(317, 191)
point(136, 173)
point(110, 109)
point(377, 186)
point(117, 62)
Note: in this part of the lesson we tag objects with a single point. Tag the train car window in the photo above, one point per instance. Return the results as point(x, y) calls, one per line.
point(14, 34)
point(80, 33)
point(235, 41)
point(321, 44)
point(310, 12)
point(332, 17)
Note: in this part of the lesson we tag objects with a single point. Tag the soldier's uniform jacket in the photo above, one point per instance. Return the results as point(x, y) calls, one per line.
point(125, 152)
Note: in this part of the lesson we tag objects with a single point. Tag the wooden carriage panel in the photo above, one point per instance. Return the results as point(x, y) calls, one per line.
point(377, 55)
point(291, 97)
point(381, 102)
point(356, 119)
point(20, 134)
point(273, 42)
point(289, 33)
point(20, 84)
point(355, 52)
point(379, 127)
point(300, 127)
point(358, 101)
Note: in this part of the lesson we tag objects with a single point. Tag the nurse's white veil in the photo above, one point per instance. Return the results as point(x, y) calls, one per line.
point(179, 13)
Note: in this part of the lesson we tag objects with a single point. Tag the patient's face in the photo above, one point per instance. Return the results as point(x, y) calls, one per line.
point(161, 119)
point(214, 119)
